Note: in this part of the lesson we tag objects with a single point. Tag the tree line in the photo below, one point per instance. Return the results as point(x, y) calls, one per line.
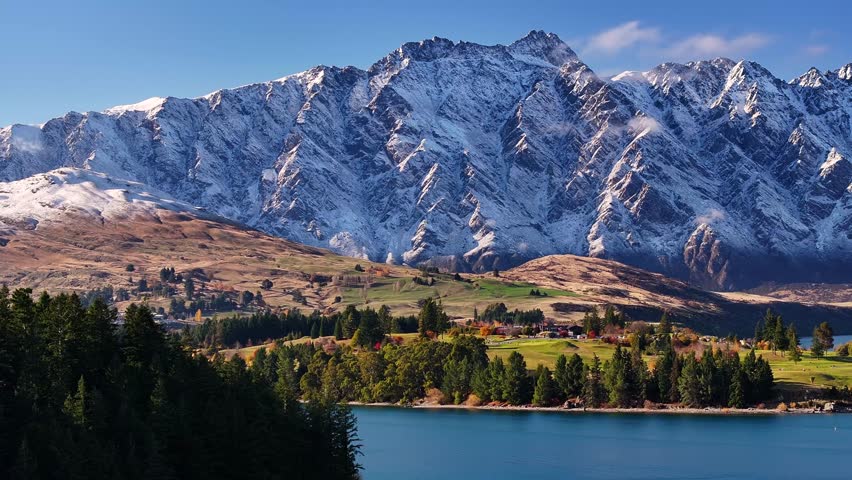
point(266, 325)
point(460, 368)
point(498, 312)
point(86, 394)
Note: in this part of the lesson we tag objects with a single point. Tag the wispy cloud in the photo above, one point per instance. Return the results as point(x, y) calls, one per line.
point(712, 216)
point(653, 42)
point(643, 125)
point(621, 37)
point(710, 46)
point(815, 50)
point(28, 145)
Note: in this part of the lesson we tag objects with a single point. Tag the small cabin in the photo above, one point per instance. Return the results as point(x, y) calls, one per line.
point(575, 330)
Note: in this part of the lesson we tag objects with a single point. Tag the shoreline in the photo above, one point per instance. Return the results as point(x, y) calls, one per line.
point(711, 411)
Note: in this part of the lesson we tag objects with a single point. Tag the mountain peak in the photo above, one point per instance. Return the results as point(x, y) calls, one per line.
point(426, 50)
point(812, 78)
point(481, 156)
point(845, 72)
point(538, 43)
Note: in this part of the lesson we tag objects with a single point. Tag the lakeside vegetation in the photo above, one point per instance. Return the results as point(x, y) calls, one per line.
point(374, 366)
point(84, 396)
point(75, 378)
point(459, 371)
point(799, 373)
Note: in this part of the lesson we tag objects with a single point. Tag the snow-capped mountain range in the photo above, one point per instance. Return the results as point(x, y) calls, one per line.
point(479, 157)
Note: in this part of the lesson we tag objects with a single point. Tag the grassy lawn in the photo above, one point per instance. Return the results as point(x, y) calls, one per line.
point(459, 297)
point(545, 351)
point(831, 370)
point(491, 289)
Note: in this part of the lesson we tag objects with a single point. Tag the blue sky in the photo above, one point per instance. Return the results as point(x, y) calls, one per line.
point(91, 54)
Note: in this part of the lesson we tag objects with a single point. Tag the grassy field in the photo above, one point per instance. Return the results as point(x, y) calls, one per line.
point(545, 351)
point(832, 370)
point(459, 297)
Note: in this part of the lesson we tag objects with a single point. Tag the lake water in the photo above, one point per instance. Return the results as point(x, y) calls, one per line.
point(410, 444)
point(839, 340)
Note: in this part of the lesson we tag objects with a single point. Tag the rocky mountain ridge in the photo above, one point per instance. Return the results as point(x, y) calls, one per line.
point(478, 157)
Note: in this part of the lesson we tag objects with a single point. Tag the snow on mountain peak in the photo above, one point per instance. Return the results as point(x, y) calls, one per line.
point(811, 79)
point(549, 46)
point(479, 157)
point(56, 195)
point(148, 105)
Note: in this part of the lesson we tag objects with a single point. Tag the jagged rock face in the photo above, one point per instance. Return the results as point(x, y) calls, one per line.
point(480, 157)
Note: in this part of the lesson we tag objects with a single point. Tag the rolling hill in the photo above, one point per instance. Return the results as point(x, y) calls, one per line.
point(74, 230)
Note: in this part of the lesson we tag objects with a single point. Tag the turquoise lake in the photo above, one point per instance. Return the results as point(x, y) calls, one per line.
point(410, 444)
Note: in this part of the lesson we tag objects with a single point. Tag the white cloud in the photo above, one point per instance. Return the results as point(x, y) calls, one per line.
point(643, 125)
point(623, 36)
point(710, 46)
point(712, 216)
point(28, 145)
point(815, 50)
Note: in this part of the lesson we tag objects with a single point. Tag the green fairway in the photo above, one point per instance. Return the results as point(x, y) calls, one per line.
point(829, 371)
point(545, 351)
point(458, 297)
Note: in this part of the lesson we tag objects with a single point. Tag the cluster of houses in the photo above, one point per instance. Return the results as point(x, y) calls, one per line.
point(545, 330)
point(552, 330)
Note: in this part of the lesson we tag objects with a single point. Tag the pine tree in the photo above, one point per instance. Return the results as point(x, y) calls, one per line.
point(285, 386)
point(576, 375)
point(780, 335)
point(663, 370)
point(793, 344)
point(592, 323)
point(665, 327)
point(189, 287)
point(385, 319)
point(351, 320)
point(432, 318)
point(544, 391)
point(497, 379)
point(315, 330)
point(758, 332)
point(625, 376)
point(570, 376)
point(370, 327)
point(594, 393)
point(689, 384)
point(76, 406)
point(611, 317)
point(356, 338)
point(517, 388)
point(338, 329)
point(769, 322)
point(560, 376)
point(738, 386)
point(823, 339)
point(458, 375)
point(708, 379)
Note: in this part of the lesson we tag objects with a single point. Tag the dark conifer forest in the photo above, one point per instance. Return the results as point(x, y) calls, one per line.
point(85, 396)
